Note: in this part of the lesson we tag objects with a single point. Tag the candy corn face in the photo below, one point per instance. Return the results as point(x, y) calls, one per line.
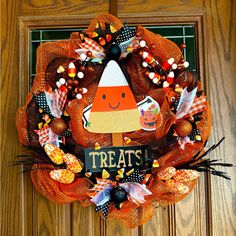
point(114, 108)
point(116, 99)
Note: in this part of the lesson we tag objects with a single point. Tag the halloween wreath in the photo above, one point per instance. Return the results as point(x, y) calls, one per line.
point(115, 119)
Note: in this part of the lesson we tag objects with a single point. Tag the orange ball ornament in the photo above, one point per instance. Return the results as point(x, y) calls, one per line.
point(58, 126)
point(182, 46)
point(183, 128)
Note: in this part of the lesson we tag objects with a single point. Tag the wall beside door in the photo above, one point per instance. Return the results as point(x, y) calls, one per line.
point(204, 212)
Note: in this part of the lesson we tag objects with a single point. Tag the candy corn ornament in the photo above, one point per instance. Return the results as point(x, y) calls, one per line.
point(114, 108)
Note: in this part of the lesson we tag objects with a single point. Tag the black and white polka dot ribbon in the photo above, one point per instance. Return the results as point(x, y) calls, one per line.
point(134, 177)
point(42, 103)
point(104, 208)
point(126, 34)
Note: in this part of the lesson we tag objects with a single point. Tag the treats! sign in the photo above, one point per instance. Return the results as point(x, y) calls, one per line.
point(114, 158)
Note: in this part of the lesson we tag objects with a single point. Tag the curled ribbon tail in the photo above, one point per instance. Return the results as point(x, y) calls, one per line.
point(102, 189)
point(102, 198)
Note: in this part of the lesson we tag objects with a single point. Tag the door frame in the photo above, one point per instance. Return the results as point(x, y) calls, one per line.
point(26, 24)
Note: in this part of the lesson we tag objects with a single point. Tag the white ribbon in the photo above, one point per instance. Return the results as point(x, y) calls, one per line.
point(136, 192)
point(53, 138)
point(185, 102)
point(103, 196)
point(52, 99)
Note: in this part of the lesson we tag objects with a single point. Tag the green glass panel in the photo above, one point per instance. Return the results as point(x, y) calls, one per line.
point(190, 30)
point(35, 35)
point(33, 49)
point(167, 31)
point(56, 34)
point(191, 53)
point(177, 34)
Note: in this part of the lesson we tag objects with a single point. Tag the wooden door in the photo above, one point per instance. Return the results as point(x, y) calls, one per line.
point(211, 208)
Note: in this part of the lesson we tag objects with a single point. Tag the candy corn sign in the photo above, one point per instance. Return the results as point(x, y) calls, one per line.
point(114, 108)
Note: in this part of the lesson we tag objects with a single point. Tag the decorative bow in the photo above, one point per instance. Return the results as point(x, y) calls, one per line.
point(46, 135)
point(136, 192)
point(127, 41)
point(189, 105)
point(56, 101)
point(100, 193)
point(98, 52)
point(105, 36)
point(73, 164)
point(52, 103)
point(197, 106)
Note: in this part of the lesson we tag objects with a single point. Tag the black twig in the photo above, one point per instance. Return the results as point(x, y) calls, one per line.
point(206, 165)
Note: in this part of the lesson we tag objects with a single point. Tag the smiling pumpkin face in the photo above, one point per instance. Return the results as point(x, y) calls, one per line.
point(149, 109)
point(148, 120)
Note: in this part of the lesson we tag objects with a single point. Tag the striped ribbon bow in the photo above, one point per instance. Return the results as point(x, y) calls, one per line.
point(55, 101)
point(92, 46)
point(101, 184)
point(43, 134)
point(197, 106)
point(136, 192)
point(100, 193)
point(189, 104)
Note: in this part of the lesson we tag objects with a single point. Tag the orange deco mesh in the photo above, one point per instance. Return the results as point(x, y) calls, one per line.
point(58, 192)
point(49, 57)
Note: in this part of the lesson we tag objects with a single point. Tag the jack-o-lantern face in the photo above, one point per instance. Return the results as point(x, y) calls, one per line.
point(149, 109)
point(113, 99)
point(148, 120)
